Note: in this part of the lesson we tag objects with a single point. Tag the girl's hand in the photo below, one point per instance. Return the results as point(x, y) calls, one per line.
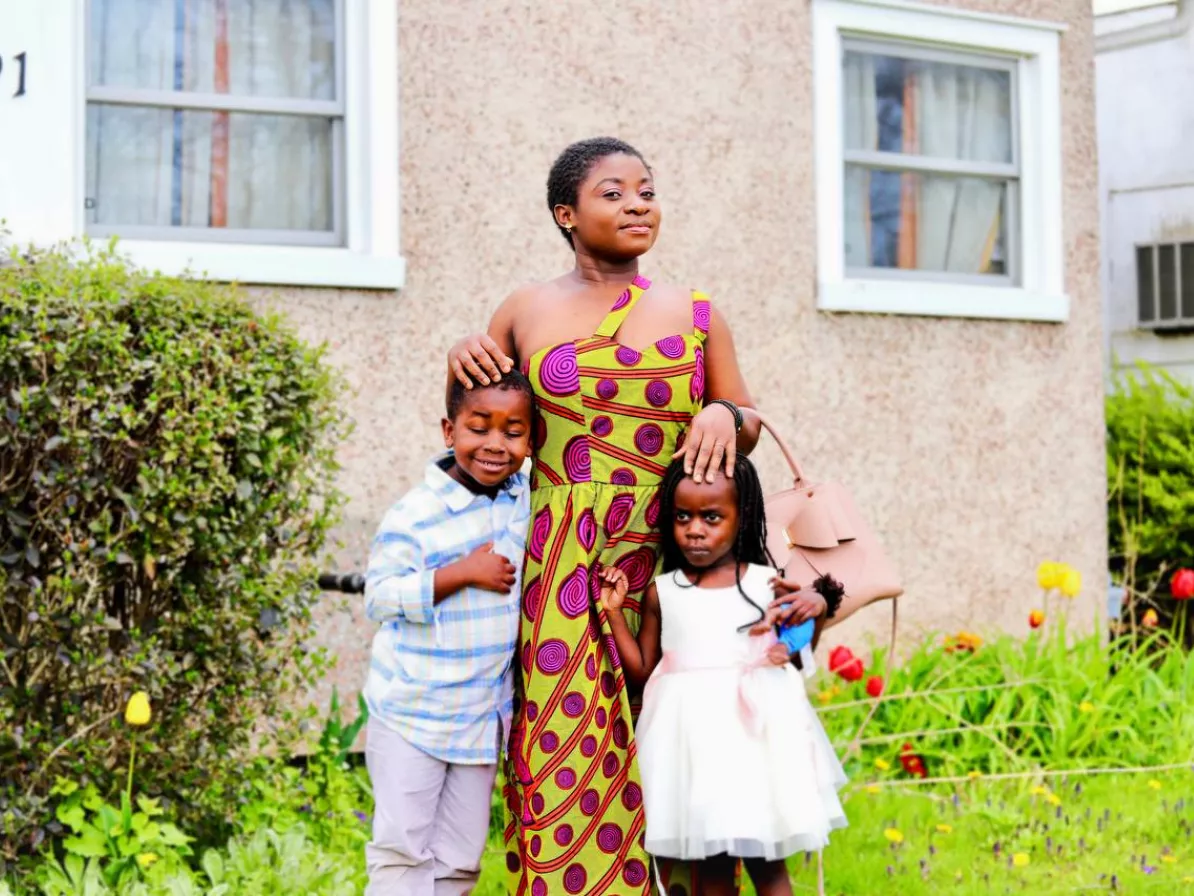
point(614, 588)
point(777, 655)
point(791, 606)
point(711, 443)
point(478, 359)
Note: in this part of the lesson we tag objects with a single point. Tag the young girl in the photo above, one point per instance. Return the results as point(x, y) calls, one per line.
point(734, 762)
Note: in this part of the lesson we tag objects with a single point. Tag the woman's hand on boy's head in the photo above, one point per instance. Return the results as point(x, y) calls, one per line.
point(614, 588)
point(478, 359)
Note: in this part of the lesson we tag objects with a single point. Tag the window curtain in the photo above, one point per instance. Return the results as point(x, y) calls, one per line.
point(195, 168)
point(925, 221)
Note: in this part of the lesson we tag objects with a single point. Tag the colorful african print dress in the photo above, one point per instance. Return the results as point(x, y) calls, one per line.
point(610, 418)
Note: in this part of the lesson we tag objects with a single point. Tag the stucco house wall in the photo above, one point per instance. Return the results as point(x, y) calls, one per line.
point(970, 431)
point(975, 446)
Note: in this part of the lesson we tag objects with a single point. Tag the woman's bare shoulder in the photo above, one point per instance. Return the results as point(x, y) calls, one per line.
point(672, 292)
point(528, 293)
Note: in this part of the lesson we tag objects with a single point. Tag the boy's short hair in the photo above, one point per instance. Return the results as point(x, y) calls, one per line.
point(515, 380)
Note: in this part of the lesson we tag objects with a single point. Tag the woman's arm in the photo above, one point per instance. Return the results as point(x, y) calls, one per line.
point(723, 379)
point(712, 442)
point(639, 655)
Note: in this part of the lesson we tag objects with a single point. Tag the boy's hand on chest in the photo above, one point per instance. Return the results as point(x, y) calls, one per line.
point(488, 570)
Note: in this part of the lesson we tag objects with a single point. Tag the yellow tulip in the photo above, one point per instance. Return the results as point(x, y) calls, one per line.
point(893, 835)
point(137, 712)
point(146, 859)
point(882, 764)
point(944, 829)
point(1020, 859)
point(1071, 582)
point(1048, 575)
point(1086, 706)
point(873, 788)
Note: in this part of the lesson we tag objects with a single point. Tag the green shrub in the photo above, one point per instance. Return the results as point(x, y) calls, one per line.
point(1017, 704)
point(1150, 476)
point(166, 479)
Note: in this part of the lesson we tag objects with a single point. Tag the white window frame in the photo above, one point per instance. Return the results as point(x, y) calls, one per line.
point(1034, 46)
point(43, 192)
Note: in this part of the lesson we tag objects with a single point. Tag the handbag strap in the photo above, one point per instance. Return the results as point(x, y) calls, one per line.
point(793, 464)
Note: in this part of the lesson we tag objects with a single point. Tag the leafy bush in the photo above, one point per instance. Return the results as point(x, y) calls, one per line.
point(166, 479)
point(1018, 704)
point(1150, 476)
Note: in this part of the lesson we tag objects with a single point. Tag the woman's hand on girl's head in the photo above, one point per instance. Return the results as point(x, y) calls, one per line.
point(614, 588)
point(478, 359)
point(712, 442)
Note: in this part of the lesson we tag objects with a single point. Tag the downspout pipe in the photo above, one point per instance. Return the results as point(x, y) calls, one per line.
point(1151, 33)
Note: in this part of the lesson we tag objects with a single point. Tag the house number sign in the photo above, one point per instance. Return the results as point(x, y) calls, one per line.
point(12, 75)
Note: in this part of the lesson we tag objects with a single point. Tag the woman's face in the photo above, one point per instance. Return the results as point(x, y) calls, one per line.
point(616, 215)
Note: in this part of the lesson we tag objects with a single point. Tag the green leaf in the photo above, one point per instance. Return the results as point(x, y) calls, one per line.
point(173, 836)
point(90, 842)
point(213, 866)
point(148, 805)
point(71, 815)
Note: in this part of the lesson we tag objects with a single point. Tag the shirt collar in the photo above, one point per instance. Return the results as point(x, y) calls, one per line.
point(455, 495)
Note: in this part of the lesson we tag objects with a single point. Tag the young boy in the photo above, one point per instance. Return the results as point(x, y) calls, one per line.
point(443, 581)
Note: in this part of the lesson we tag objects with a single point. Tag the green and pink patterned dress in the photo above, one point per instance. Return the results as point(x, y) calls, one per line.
point(610, 418)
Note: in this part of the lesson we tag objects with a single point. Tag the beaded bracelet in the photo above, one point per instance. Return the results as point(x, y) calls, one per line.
point(734, 409)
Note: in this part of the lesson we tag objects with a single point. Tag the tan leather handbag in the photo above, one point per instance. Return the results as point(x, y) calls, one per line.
point(813, 529)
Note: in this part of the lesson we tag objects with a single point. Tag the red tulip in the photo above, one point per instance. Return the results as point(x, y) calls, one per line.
point(874, 686)
point(1182, 584)
point(912, 763)
point(1036, 619)
point(846, 664)
point(839, 656)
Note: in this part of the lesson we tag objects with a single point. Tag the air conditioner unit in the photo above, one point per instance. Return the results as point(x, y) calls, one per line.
point(1165, 286)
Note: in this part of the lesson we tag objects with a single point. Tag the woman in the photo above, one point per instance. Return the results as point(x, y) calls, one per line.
point(626, 374)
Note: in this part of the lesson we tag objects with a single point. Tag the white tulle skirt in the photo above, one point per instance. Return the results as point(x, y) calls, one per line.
point(735, 761)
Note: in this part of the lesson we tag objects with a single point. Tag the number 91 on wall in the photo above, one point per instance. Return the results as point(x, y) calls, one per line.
point(12, 75)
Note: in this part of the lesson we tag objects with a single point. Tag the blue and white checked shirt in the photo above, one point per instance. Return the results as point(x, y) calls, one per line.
point(442, 676)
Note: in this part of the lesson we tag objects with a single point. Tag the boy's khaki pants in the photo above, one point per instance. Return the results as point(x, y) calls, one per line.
point(430, 819)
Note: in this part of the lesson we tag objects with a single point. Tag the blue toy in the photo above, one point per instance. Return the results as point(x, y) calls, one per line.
point(797, 637)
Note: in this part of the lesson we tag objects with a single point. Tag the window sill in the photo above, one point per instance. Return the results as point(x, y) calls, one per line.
point(268, 265)
point(942, 300)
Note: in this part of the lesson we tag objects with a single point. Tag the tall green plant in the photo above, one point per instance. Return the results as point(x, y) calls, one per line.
point(1150, 475)
point(166, 481)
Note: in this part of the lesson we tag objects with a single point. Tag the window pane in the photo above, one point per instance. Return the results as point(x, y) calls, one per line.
point(172, 168)
point(925, 222)
point(1188, 280)
point(1145, 299)
point(274, 48)
point(1167, 282)
point(937, 109)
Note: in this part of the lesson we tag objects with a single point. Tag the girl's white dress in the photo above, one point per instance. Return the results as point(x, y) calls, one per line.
point(733, 758)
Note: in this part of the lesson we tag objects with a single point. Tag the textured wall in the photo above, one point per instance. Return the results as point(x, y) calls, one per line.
point(976, 448)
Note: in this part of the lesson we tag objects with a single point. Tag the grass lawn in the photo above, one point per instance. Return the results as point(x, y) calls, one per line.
point(1128, 833)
